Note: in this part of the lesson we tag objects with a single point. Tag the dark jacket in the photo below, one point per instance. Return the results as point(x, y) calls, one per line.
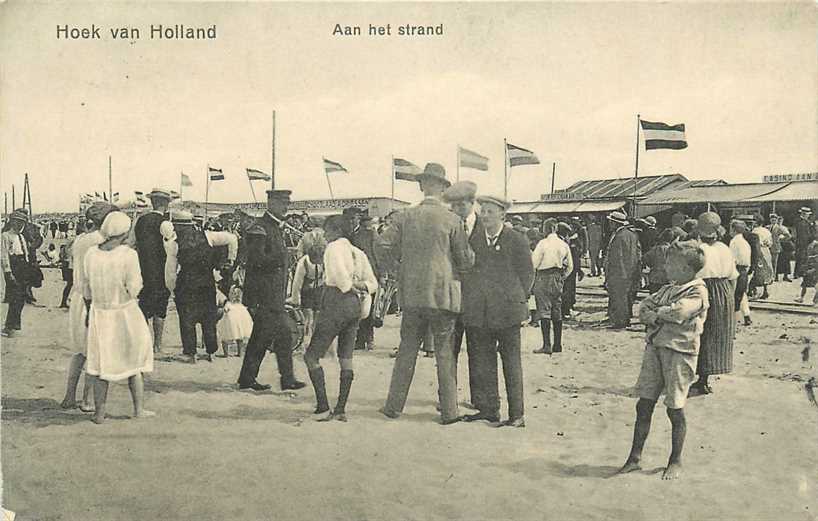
point(364, 240)
point(266, 272)
point(496, 289)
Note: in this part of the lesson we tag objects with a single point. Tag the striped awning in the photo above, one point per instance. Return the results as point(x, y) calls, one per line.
point(564, 207)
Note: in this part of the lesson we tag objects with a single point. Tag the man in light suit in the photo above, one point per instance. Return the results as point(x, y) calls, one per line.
point(495, 304)
point(431, 246)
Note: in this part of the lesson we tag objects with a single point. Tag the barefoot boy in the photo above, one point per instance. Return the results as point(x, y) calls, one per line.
point(675, 317)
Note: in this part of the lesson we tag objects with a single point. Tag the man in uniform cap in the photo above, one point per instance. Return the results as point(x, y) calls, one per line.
point(191, 258)
point(153, 299)
point(265, 290)
point(13, 257)
point(622, 270)
point(430, 245)
point(495, 304)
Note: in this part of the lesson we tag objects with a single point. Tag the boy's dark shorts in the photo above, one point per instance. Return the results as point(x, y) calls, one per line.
point(154, 302)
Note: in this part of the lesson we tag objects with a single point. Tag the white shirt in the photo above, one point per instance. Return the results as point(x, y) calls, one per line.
point(552, 252)
point(344, 264)
point(214, 239)
point(491, 239)
point(718, 262)
point(470, 221)
point(741, 250)
point(765, 238)
point(13, 244)
point(302, 269)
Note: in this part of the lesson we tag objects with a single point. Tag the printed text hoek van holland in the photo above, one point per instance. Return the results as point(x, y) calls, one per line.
point(386, 30)
point(157, 32)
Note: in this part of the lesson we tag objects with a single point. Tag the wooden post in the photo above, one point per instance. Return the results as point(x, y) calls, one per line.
point(636, 168)
point(392, 170)
point(273, 165)
point(110, 183)
point(458, 163)
point(553, 175)
point(505, 169)
point(207, 188)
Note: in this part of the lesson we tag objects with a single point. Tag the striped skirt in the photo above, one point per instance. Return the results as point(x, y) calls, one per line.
point(716, 351)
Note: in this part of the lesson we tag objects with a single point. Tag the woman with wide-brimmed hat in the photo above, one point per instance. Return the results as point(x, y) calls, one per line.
point(719, 273)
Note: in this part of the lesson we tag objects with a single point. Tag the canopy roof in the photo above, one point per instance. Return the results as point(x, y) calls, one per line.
point(746, 193)
point(564, 207)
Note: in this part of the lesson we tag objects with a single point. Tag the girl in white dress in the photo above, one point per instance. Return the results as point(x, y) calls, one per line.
point(236, 324)
point(119, 341)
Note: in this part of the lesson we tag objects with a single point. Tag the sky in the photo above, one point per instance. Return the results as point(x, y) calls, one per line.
point(564, 80)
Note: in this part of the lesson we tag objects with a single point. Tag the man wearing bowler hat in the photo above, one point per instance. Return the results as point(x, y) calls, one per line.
point(265, 289)
point(430, 245)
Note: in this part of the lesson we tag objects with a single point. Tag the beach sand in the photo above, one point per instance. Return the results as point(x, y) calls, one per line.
point(214, 452)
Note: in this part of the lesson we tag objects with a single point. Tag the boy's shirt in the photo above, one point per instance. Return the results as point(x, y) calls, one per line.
point(344, 264)
point(675, 316)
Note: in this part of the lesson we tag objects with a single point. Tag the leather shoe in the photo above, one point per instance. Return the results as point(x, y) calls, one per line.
point(542, 351)
point(516, 422)
point(292, 385)
point(491, 418)
point(456, 419)
point(255, 386)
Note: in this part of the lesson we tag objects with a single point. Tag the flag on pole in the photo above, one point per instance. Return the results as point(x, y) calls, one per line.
point(97, 195)
point(520, 156)
point(115, 197)
point(332, 166)
point(187, 182)
point(661, 135)
point(257, 175)
point(216, 174)
point(405, 170)
point(175, 195)
point(105, 196)
point(141, 200)
point(470, 159)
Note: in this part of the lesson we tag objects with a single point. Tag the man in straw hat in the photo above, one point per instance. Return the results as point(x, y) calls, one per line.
point(265, 290)
point(153, 299)
point(495, 304)
point(622, 270)
point(429, 242)
point(804, 234)
point(78, 309)
point(192, 253)
point(14, 257)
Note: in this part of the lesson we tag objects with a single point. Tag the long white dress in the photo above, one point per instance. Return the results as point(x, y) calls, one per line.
point(76, 307)
point(119, 341)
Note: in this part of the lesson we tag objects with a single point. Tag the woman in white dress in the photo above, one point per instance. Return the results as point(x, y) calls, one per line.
point(119, 341)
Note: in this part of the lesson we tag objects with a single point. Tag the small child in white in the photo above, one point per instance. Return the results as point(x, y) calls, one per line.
point(675, 317)
point(236, 324)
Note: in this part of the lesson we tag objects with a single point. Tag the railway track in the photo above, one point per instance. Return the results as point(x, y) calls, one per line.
point(755, 305)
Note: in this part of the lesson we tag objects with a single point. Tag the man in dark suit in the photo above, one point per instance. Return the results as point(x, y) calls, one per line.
point(265, 289)
point(461, 197)
point(495, 304)
point(364, 239)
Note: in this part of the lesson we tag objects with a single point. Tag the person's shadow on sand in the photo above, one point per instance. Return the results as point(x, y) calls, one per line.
point(538, 469)
point(42, 412)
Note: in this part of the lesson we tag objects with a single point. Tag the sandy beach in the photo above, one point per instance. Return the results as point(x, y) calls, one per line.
point(214, 452)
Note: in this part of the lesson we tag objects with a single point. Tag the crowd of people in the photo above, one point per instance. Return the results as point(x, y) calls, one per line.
point(460, 268)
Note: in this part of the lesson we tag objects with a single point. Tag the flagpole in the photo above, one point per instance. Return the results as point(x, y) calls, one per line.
point(636, 167)
point(458, 162)
point(207, 189)
point(273, 165)
point(553, 175)
point(181, 184)
point(328, 182)
point(392, 169)
point(110, 183)
point(505, 168)
point(252, 191)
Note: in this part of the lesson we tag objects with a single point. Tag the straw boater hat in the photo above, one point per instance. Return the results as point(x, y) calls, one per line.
point(618, 217)
point(651, 220)
point(738, 225)
point(708, 225)
point(495, 200)
point(805, 210)
point(182, 217)
point(434, 171)
point(460, 191)
point(18, 215)
point(159, 192)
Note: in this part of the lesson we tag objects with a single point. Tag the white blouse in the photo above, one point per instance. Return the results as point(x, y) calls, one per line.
point(719, 262)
